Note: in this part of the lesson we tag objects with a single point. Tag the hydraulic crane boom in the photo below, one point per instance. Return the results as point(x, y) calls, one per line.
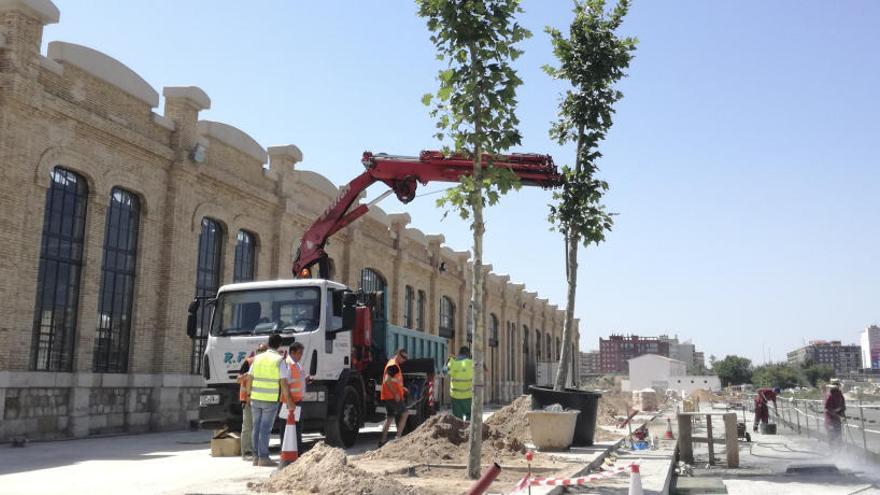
point(403, 174)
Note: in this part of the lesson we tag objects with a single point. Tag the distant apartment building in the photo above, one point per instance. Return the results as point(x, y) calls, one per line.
point(842, 358)
point(871, 347)
point(700, 361)
point(616, 350)
point(682, 351)
point(590, 364)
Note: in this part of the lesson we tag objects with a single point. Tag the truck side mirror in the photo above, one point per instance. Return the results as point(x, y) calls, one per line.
point(349, 304)
point(191, 319)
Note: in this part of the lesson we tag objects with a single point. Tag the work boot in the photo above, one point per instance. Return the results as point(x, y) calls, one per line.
point(266, 462)
point(256, 460)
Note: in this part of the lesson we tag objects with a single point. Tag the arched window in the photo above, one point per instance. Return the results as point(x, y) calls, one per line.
point(511, 351)
point(549, 348)
point(409, 296)
point(493, 330)
point(61, 252)
point(207, 282)
point(420, 311)
point(371, 281)
point(558, 348)
point(525, 339)
point(538, 343)
point(117, 282)
point(447, 318)
point(245, 257)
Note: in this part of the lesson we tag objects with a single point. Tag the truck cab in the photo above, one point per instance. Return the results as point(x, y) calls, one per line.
point(347, 341)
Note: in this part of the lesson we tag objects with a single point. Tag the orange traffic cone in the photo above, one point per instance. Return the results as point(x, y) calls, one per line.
point(635, 481)
point(289, 448)
point(668, 435)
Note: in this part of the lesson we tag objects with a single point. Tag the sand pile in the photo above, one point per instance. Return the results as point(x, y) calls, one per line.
point(325, 469)
point(442, 439)
point(512, 420)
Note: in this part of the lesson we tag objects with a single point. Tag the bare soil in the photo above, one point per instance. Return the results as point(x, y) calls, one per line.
point(512, 420)
point(324, 469)
point(442, 439)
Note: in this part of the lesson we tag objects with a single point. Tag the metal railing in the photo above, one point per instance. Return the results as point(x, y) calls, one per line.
point(860, 424)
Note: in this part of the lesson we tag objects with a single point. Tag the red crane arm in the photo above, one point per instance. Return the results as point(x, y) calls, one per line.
point(403, 174)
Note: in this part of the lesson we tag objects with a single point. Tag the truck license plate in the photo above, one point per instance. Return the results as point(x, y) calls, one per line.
point(209, 400)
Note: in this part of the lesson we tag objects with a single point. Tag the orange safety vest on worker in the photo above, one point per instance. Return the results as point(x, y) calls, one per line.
point(396, 382)
point(297, 385)
point(242, 393)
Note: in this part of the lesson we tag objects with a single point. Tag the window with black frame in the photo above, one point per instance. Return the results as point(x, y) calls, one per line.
point(420, 311)
point(371, 281)
point(117, 283)
point(208, 274)
point(409, 296)
point(58, 277)
point(447, 318)
point(245, 257)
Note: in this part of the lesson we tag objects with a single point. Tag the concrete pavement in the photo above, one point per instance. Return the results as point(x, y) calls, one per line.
point(172, 463)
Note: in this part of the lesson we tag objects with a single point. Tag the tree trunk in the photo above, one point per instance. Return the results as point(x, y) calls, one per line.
point(571, 266)
point(475, 437)
point(572, 240)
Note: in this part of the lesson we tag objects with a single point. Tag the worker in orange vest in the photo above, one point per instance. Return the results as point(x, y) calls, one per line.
point(247, 419)
point(297, 387)
point(393, 395)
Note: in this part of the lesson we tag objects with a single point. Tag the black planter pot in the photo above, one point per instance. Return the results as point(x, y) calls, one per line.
point(585, 402)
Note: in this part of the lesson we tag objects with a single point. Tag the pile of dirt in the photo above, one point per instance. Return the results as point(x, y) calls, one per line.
point(512, 420)
point(705, 396)
point(325, 469)
point(442, 439)
point(613, 406)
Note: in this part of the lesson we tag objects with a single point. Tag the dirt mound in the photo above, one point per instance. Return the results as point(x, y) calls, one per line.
point(705, 396)
point(512, 420)
point(613, 406)
point(442, 439)
point(325, 469)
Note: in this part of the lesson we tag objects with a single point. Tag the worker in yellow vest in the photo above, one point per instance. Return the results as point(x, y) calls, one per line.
point(461, 383)
point(267, 381)
point(247, 423)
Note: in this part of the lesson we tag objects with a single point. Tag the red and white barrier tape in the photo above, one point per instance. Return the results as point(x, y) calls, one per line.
point(583, 480)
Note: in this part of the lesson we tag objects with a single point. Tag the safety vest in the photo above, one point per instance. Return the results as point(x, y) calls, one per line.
point(388, 389)
point(386, 394)
point(266, 377)
point(242, 393)
point(297, 381)
point(461, 376)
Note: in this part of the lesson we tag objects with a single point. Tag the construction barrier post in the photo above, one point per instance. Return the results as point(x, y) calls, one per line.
point(710, 439)
point(797, 416)
point(685, 443)
point(864, 433)
point(730, 440)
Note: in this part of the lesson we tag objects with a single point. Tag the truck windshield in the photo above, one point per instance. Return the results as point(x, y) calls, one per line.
point(265, 311)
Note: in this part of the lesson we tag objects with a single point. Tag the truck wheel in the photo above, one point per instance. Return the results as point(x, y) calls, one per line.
point(342, 430)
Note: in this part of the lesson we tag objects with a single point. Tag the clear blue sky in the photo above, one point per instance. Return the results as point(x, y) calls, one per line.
point(743, 161)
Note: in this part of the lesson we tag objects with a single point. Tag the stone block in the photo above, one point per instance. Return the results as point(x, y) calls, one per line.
point(97, 422)
point(141, 380)
point(31, 379)
point(47, 425)
point(113, 380)
point(64, 380)
point(86, 380)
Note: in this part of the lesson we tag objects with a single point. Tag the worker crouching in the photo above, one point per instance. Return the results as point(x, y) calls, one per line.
point(762, 408)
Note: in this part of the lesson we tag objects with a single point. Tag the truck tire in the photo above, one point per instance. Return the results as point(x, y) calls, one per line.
point(341, 430)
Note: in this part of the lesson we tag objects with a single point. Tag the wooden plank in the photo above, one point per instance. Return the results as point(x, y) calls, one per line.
point(711, 444)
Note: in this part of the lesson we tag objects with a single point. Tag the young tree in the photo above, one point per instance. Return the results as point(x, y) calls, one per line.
point(474, 107)
point(592, 59)
point(733, 370)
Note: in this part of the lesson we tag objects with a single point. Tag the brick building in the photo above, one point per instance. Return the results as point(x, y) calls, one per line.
point(616, 350)
point(841, 358)
point(114, 216)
